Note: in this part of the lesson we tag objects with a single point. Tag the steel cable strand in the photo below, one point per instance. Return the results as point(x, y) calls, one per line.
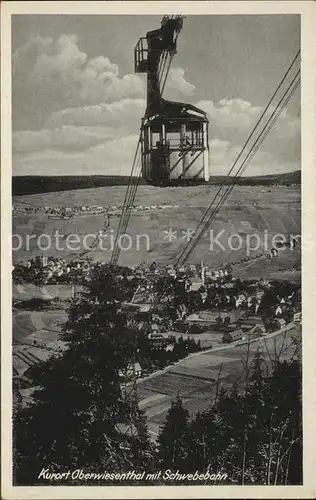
point(126, 199)
point(128, 203)
point(125, 221)
point(127, 215)
point(246, 143)
point(187, 251)
point(168, 68)
point(257, 145)
point(162, 66)
point(251, 153)
point(166, 75)
point(261, 117)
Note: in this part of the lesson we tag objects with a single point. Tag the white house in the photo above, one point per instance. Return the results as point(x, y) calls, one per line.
point(133, 370)
point(281, 323)
point(297, 317)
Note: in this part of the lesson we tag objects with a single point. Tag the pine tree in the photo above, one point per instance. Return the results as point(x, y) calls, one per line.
point(77, 410)
point(285, 392)
point(228, 422)
point(173, 452)
point(201, 441)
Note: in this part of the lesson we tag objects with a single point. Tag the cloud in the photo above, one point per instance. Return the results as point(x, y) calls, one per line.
point(236, 118)
point(114, 157)
point(176, 81)
point(111, 158)
point(232, 121)
point(126, 112)
point(50, 75)
point(65, 138)
point(76, 114)
point(224, 153)
point(77, 129)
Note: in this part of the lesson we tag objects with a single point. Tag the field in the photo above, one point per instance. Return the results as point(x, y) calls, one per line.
point(35, 337)
point(198, 378)
point(30, 184)
point(248, 211)
point(192, 195)
point(27, 323)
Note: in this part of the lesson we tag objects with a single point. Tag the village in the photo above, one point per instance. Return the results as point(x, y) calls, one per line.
point(65, 212)
point(178, 310)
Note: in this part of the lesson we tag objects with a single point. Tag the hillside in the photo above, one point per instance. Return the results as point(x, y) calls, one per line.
point(33, 184)
point(247, 211)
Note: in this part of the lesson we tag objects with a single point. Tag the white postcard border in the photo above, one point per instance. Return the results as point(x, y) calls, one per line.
point(307, 9)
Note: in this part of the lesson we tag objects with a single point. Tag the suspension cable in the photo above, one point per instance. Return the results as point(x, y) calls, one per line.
point(128, 201)
point(166, 75)
point(185, 253)
point(260, 118)
point(272, 119)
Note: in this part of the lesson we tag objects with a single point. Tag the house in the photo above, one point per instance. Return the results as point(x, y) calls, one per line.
point(253, 322)
point(169, 347)
point(229, 286)
point(203, 296)
point(232, 336)
point(259, 294)
point(133, 370)
point(233, 314)
point(43, 260)
point(297, 317)
point(181, 311)
point(210, 317)
point(193, 284)
point(171, 272)
point(240, 299)
point(154, 327)
point(159, 340)
point(280, 322)
point(253, 319)
point(204, 340)
point(204, 318)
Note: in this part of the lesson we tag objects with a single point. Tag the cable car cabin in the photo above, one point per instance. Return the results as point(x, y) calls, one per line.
point(175, 151)
point(174, 135)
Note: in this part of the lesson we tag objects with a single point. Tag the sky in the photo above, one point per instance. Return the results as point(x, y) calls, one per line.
point(77, 103)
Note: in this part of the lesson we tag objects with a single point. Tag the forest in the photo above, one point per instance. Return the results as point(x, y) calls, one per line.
point(251, 433)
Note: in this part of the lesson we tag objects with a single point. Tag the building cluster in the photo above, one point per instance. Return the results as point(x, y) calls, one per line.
point(194, 275)
point(66, 212)
point(246, 321)
point(222, 307)
point(180, 309)
point(50, 270)
point(206, 300)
